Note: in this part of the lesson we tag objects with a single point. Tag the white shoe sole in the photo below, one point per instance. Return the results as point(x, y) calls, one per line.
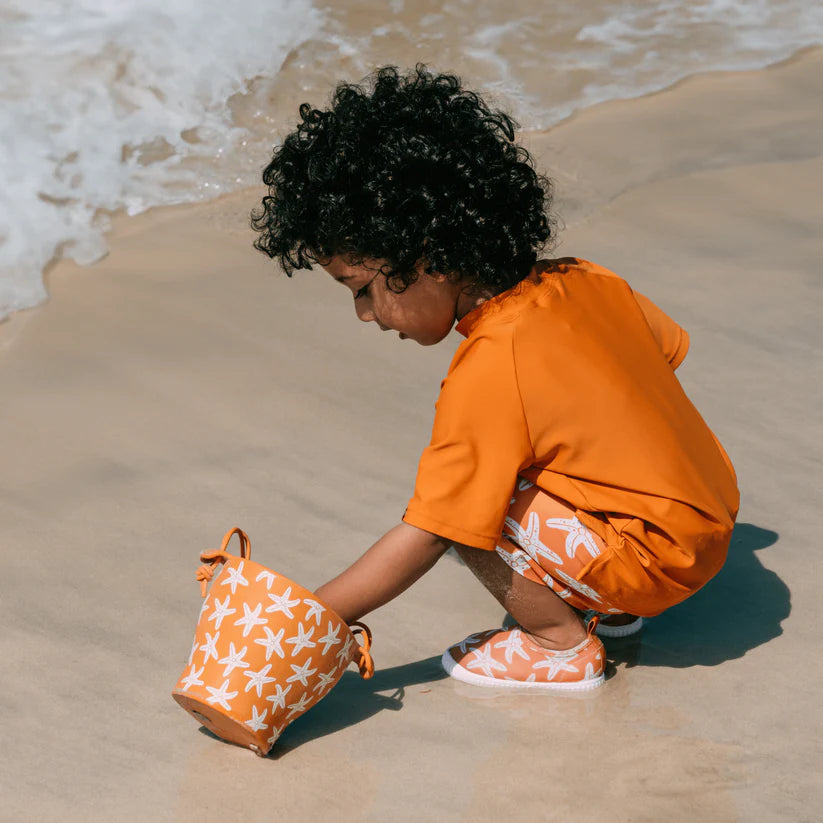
point(458, 672)
point(628, 629)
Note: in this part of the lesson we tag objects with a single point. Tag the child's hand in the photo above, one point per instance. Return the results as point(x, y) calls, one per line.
point(388, 568)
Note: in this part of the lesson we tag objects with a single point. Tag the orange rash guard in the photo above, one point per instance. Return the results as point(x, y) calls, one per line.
point(568, 380)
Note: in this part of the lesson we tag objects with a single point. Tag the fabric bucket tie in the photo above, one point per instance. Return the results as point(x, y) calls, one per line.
point(265, 649)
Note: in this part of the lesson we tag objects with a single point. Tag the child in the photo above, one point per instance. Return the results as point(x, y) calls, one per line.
point(567, 467)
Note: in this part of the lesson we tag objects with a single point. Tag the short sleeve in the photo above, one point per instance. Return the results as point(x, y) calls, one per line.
point(480, 441)
point(672, 339)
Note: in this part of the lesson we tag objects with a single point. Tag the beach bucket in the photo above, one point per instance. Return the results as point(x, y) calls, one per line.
point(265, 650)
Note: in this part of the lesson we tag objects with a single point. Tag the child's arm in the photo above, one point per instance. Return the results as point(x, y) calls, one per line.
point(404, 554)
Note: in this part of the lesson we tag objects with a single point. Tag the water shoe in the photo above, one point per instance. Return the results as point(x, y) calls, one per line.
point(625, 630)
point(509, 658)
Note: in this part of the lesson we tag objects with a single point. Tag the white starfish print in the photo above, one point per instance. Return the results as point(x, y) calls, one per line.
point(234, 577)
point(517, 560)
point(272, 642)
point(301, 673)
point(464, 644)
point(210, 646)
point(191, 653)
point(483, 660)
point(330, 638)
point(554, 667)
point(555, 587)
point(206, 605)
point(513, 644)
point(257, 721)
point(522, 485)
point(234, 660)
point(589, 671)
point(275, 733)
point(258, 679)
point(221, 695)
point(300, 706)
point(250, 618)
point(578, 535)
point(301, 640)
point(582, 588)
point(192, 678)
point(326, 682)
point(528, 539)
point(268, 576)
point(343, 654)
point(281, 603)
point(221, 610)
point(279, 699)
point(315, 610)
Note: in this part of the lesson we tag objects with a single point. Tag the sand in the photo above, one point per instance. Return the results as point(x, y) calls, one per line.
point(183, 386)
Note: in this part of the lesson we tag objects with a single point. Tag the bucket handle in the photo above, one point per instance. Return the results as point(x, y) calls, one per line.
point(213, 557)
point(363, 659)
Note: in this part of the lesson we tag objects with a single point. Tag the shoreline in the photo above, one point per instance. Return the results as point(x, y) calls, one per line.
point(576, 207)
point(182, 386)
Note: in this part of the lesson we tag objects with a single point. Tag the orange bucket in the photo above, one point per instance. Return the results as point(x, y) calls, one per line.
point(265, 650)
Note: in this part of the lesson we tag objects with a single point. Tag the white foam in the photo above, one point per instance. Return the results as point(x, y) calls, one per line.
point(128, 104)
point(101, 104)
point(637, 48)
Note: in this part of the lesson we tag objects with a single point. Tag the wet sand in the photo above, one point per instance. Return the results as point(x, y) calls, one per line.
point(182, 386)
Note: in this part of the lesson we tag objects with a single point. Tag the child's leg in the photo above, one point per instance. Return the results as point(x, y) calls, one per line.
point(548, 649)
point(549, 621)
point(535, 573)
point(544, 542)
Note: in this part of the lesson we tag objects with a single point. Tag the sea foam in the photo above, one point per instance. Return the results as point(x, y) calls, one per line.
point(103, 102)
point(110, 105)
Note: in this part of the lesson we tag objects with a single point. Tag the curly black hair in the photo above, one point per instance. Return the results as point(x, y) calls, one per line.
point(413, 169)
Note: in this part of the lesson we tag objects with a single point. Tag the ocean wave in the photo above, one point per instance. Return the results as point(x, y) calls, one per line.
point(109, 105)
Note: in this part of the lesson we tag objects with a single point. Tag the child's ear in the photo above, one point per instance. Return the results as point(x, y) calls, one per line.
point(423, 266)
point(426, 267)
point(437, 276)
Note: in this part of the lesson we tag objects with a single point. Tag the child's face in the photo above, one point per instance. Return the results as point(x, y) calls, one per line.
point(424, 312)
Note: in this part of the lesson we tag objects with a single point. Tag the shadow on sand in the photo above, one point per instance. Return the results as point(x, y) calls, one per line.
point(354, 699)
point(739, 609)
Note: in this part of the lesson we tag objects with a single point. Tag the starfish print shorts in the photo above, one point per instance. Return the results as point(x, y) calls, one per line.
point(550, 550)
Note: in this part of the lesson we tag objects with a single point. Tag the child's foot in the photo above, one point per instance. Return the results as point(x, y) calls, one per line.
point(619, 625)
point(509, 658)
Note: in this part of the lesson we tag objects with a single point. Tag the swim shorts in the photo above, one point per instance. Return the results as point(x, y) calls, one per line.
point(550, 550)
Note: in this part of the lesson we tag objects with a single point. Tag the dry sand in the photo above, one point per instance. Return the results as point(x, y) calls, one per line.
point(182, 386)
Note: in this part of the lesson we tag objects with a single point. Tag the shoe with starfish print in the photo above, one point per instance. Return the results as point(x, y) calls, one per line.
point(509, 658)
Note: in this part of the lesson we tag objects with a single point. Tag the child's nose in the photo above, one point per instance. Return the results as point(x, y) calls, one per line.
point(364, 313)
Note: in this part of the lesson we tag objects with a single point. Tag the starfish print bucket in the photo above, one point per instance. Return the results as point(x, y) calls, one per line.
point(265, 650)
